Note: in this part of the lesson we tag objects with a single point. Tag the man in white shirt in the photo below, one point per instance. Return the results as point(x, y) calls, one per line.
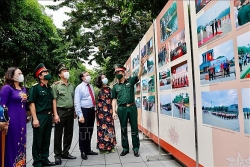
point(85, 110)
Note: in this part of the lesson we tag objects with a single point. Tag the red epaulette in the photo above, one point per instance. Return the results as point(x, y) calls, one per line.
point(57, 82)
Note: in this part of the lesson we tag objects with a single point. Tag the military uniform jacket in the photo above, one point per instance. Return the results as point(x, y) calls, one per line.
point(64, 94)
point(124, 92)
point(244, 14)
point(41, 96)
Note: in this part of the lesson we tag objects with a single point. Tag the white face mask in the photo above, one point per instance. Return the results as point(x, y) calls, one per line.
point(88, 79)
point(20, 78)
point(105, 81)
point(66, 75)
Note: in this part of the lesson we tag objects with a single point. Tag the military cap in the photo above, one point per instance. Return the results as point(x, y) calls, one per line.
point(40, 68)
point(61, 67)
point(119, 67)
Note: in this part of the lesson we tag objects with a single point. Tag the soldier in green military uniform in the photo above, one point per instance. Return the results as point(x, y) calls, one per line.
point(63, 108)
point(244, 13)
point(40, 98)
point(123, 97)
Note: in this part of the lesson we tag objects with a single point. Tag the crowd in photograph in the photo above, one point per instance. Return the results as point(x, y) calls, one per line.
point(246, 115)
point(225, 115)
point(213, 28)
point(244, 60)
point(181, 107)
point(163, 56)
point(179, 82)
point(224, 70)
point(179, 51)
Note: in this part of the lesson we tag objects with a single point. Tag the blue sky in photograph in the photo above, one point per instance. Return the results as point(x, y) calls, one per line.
point(246, 98)
point(165, 99)
point(145, 82)
point(244, 39)
point(225, 49)
point(212, 13)
point(219, 98)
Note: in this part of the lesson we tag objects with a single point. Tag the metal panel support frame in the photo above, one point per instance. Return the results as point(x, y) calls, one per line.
point(160, 156)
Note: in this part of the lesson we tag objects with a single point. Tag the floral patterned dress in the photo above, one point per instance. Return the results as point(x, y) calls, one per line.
point(106, 139)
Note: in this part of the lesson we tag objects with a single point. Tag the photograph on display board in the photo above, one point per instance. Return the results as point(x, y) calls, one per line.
point(127, 71)
point(135, 72)
point(199, 4)
point(163, 57)
point(218, 64)
point(246, 109)
point(169, 22)
point(138, 102)
point(180, 104)
point(145, 103)
point(135, 61)
point(220, 109)
point(148, 103)
point(151, 84)
point(165, 79)
point(150, 47)
point(177, 46)
point(241, 12)
point(165, 104)
point(150, 65)
point(151, 103)
point(144, 71)
point(179, 75)
point(127, 65)
point(138, 88)
point(144, 86)
point(143, 51)
point(214, 23)
point(243, 42)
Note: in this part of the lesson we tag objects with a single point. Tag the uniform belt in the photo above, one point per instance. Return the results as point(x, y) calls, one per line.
point(65, 109)
point(45, 112)
point(127, 104)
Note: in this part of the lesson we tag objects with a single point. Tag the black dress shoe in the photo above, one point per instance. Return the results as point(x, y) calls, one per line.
point(68, 157)
point(136, 153)
point(58, 161)
point(123, 153)
point(92, 153)
point(49, 164)
point(84, 156)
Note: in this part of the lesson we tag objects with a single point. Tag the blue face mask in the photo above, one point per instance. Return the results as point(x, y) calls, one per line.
point(105, 81)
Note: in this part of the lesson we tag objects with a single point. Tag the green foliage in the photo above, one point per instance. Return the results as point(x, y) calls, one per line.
point(27, 37)
point(74, 74)
point(115, 27)
point(180, 97)
point(243, 49)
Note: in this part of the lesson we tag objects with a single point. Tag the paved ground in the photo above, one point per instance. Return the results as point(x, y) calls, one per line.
point(148, 150)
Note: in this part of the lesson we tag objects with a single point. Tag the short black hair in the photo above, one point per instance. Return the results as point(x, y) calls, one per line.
point(81, 75)
point(98, 81)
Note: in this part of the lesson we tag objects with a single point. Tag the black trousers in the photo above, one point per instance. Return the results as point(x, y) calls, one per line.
point(63, 128)
point(86, 129)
